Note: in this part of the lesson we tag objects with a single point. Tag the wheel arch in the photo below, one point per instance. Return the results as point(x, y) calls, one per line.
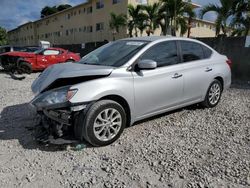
point(122, 102)
point(220, 79)
point(70, 60)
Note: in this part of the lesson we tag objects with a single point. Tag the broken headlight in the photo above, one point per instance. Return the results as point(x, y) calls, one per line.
point(55, 96)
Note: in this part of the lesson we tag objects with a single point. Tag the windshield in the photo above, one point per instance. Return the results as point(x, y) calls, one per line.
point(38, 51)
point(114, 54)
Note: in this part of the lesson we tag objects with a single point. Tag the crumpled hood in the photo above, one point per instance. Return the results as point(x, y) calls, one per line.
point(67, 70)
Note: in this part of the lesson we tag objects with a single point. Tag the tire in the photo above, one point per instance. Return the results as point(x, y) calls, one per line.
point(98, 130)
point(25, 67)
point(213, 95)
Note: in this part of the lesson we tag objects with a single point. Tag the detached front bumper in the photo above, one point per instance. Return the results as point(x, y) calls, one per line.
point(57, 122)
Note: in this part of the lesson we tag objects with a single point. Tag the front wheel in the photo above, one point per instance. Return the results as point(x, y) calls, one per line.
point(213, 94)
point(103, 123)
point(25, 67)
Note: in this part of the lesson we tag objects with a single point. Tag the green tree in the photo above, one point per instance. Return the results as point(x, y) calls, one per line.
point(223, 11)
point(63, 7)
point(141, 22)
point(175, 15)
point(241, 20)
point(133, 20)
point(116, 22)
point(47, 10)
point(153, 17)
point(3, 36)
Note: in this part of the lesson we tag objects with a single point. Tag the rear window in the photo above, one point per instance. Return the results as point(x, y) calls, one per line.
point(191, 51)
point(207, 52)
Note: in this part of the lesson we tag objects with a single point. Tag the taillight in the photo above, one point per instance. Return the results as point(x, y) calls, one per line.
point(229, 62)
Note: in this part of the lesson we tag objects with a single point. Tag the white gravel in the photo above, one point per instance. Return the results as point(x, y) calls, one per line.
point(192, 147)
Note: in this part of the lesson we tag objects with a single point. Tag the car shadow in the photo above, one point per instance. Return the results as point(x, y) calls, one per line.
point(18, 122)
point(191, 107)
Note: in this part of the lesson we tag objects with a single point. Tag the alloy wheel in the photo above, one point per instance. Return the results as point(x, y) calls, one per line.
point(214, 93)
point(107, 124)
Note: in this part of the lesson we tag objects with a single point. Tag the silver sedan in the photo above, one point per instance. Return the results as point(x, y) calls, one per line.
point(126, 81)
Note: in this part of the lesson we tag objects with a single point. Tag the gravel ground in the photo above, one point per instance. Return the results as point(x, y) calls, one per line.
point(191, 147)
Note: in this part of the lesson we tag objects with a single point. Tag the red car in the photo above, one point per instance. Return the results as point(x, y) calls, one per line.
point(39, 60)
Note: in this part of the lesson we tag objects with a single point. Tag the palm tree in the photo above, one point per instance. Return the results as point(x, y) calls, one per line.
point(241, 19)
point(116, 22)
point(141, 22)
point(133, 19)
point(153, 16)
point(224, 11)
point(175, 15)
point(241, 26)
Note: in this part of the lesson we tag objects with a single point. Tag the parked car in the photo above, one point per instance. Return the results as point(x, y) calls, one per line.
point(126, 81)
point(38, 60)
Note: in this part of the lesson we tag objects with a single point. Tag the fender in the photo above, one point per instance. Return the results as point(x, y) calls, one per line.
point(21, 59)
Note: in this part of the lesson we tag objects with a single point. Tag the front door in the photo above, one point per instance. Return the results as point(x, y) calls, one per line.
point(160, 88)
point(48, 57)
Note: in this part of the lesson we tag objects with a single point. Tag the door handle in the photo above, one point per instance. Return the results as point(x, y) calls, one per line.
point(176, 75)
point(208, 69)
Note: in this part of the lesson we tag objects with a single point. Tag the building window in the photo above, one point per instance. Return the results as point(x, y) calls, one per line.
point(142, 2)
point(89, 29)
point(116, 1)
point(99, 4)
point(79, 11)
point(99, 26)
point(89, 10)
point(67, 32)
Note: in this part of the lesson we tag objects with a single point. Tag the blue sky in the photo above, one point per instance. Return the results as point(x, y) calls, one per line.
point(17, 12)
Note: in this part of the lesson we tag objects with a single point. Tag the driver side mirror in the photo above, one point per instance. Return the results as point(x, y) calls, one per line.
point(147, 64)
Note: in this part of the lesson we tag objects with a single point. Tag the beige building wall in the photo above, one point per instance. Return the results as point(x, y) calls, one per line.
point(24, 34)
point(79, 24)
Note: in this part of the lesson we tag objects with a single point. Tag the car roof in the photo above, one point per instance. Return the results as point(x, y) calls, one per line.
point(159, 38)
point(149, 38)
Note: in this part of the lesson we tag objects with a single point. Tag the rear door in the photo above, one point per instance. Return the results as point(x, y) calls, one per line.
point(160, 88)
point(197, 69)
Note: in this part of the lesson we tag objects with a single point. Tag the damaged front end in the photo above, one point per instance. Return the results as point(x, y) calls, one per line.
point(9, 63)
point(57, 115)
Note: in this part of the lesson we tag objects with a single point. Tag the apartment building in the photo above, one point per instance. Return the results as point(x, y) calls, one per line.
point(88, 22)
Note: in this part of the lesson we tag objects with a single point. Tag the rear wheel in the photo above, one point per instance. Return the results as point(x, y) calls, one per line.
point(103, 123)
point(213, 94)
point(25, 67)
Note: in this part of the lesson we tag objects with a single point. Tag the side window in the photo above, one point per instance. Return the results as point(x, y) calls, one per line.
point(207, 52)
point(164, 53)
point(51, 52)
point(191, 51)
